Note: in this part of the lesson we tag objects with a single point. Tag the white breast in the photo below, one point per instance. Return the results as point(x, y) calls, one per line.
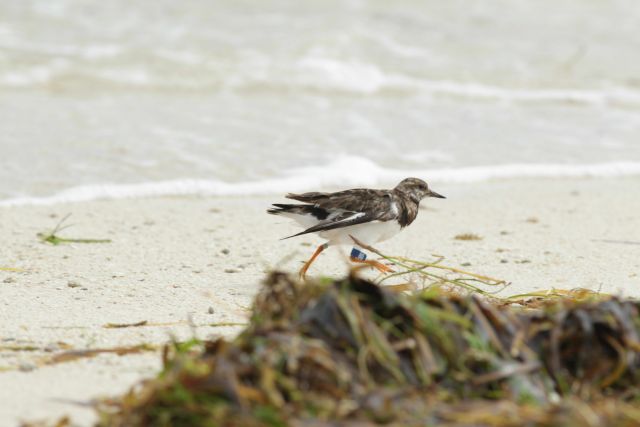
point(368, 233)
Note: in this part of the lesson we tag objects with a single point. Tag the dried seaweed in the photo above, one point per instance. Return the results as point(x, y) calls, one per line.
point(467, 236)
point(52, 238)
point(125, 325)
point(69, 354)
point(73, 355)
point(620, 242)
point(32, 347)
point(353, 352)
point(12, 269)
point(437, 276)
point(225, 324)
point(61, 422)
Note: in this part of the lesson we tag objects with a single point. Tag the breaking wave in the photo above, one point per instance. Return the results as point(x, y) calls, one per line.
point(347, 171)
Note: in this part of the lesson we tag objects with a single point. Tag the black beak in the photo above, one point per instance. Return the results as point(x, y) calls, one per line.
point(434, 194)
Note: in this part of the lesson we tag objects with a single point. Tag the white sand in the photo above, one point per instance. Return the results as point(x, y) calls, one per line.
point(165, 265)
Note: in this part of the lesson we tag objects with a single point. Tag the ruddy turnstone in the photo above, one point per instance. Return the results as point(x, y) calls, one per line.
point(370, 216)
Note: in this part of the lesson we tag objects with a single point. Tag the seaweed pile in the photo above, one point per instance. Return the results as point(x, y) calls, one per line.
point(351, 352)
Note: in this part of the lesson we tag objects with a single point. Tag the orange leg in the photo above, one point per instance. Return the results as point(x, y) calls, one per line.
point(375, 264)
point(305, 267)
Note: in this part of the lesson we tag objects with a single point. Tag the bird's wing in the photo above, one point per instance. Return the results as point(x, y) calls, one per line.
point(345, 219)
point(312, 197)
point(350, 207)
point(356, 200)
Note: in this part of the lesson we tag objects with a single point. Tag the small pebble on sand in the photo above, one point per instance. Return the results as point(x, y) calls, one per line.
point(27, 366)
point(467, 236)
point(51, 347)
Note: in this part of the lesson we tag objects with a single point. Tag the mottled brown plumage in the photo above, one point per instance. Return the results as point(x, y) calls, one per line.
point(369, 215)
point(400, 204)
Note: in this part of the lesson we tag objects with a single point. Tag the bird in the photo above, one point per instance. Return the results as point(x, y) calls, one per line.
point(368, 215)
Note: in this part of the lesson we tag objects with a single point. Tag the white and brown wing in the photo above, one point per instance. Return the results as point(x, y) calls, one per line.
point(342, 209)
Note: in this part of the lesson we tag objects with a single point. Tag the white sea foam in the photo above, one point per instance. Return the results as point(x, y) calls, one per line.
point(345, 172)
point(316, 73)
point(358, 77)
point(482, 91)
point(350, 76)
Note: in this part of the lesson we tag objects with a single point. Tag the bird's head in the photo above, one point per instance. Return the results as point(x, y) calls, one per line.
point(416, 189)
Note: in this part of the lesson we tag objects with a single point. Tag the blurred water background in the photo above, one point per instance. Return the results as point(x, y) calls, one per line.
point(127, 98)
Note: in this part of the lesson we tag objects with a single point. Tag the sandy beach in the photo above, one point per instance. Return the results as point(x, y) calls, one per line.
point(163, 131)
point(190, 266)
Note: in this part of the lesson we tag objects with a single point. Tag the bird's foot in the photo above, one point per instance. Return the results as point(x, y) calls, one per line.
point(302, 274)
point(303, 271)
point(382, 268)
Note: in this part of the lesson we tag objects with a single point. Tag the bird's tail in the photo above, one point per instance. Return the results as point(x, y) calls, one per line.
point(280, 208)
point(305, 210)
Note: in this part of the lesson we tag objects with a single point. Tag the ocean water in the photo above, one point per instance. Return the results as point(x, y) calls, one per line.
point(132, 99)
